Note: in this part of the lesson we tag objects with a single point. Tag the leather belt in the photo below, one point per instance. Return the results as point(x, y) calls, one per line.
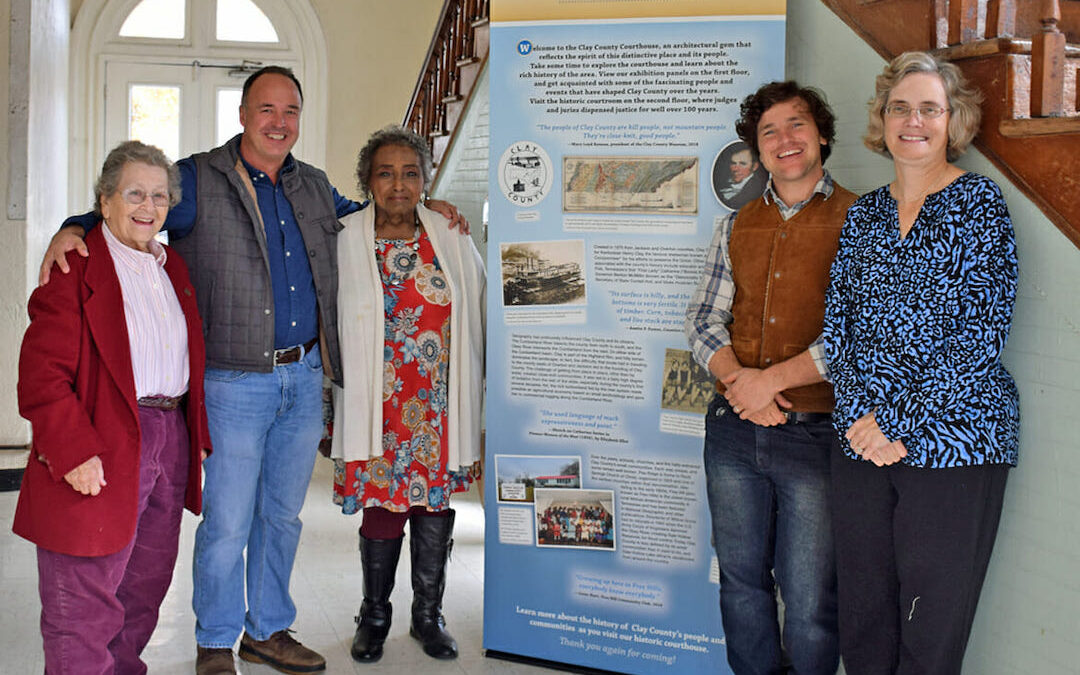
point(293, 354)
point(161, 402)
point(807, 417)
point(792, 416)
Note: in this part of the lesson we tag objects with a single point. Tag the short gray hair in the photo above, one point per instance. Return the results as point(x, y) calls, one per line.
point(124, 154)
point(963, 99)
point(394, 134)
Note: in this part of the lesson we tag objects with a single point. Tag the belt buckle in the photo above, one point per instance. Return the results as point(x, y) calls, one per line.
point(281, 354)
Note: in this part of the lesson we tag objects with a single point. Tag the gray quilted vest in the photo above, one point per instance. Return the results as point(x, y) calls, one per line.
point(226, 255)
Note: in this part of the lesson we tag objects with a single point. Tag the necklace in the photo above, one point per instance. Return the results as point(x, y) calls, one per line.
point(417, 235)
point(407, 258)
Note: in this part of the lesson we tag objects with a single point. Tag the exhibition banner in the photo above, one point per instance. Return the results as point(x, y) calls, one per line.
point(613, 157)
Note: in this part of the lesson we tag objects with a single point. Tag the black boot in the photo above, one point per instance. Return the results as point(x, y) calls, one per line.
point(430, 544)
point(379, 558)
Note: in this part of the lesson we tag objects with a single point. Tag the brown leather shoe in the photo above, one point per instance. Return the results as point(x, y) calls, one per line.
point(281, 652)
point(213, 661)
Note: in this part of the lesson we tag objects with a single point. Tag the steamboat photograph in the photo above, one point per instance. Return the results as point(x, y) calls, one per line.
point(543, 273)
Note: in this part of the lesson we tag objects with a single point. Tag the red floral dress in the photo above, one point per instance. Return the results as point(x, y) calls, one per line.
point(412, 470)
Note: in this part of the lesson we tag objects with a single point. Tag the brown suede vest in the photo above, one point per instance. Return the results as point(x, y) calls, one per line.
point(781, 270)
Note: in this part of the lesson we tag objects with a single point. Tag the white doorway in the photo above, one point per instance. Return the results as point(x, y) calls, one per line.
point(170, 72)
point(182, 108)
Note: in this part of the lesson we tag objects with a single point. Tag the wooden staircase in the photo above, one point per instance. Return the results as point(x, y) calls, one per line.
point(1022, 54)
point(455, 58)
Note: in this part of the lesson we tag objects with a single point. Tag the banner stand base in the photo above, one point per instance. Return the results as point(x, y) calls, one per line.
point(554, 665)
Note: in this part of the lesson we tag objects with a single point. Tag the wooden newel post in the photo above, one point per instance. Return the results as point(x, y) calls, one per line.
point(1000, 18)
point(963, 17)
point(1048, 64)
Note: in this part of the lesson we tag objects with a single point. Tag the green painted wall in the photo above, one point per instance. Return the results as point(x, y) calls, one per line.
point(1029, 614)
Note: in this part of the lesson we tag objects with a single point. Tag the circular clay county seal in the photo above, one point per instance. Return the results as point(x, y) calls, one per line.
point(525, 173)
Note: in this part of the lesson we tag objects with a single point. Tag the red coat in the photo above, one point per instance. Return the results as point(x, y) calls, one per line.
point(77, 389)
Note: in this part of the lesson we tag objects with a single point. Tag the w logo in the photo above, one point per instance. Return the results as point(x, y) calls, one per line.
point(524, 47)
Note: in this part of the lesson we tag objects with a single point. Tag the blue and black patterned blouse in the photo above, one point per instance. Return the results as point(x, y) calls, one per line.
point(914, 328)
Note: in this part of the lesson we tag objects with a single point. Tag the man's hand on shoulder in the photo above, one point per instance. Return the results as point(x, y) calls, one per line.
point(450, 212)
point(68, 238)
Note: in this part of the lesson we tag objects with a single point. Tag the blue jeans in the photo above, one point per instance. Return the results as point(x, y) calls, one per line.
point(265, 428)
point(768, 490)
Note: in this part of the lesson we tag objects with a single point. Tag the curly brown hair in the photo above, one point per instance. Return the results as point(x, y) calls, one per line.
point(768, 95)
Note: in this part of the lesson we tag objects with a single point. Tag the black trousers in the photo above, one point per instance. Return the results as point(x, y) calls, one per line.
point(912, 547)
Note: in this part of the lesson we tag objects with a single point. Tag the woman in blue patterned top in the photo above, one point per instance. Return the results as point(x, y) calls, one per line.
point(917, 315)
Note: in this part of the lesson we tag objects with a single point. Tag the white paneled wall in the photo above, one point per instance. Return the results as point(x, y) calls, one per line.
point(463, 180)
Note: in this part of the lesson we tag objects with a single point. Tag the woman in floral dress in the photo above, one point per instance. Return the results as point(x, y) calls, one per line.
point(407, 423)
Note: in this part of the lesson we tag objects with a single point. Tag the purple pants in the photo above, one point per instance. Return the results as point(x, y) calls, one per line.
point(97, 613)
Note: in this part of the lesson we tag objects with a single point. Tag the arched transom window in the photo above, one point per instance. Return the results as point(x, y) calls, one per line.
point(169, 72)
point(234, 21)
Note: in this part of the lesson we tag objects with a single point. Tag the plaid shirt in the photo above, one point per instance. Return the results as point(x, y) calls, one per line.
point(709, 313)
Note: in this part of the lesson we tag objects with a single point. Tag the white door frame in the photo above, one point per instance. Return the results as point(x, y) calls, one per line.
point(94, 39)
point(199, 87)
point(121, 74)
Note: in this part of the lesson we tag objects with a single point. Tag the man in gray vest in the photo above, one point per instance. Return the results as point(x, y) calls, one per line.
point(257, 229)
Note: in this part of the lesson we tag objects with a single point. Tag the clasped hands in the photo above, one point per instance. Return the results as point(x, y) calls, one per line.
point(753, 395)
point(869, 442)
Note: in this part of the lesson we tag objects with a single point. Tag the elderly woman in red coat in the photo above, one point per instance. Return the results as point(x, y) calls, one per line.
point(110, 377)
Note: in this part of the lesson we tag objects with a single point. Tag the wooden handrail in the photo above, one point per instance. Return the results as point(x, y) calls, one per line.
point(451, 46)
point(964, 15)
point(963, 19)
point(1040, 155)
point(1048, 64)
point(1001, 18)
point(1047, 45)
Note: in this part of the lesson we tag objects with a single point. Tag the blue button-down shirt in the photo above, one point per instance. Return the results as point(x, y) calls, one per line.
point(296, 318)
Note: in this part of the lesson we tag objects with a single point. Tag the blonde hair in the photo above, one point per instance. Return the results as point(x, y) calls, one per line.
point(963, 99)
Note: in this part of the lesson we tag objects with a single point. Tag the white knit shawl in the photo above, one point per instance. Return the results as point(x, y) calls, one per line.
point(358, 407)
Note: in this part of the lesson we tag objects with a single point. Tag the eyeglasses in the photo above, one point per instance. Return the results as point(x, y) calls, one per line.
point(924, 111)
point(135, 196)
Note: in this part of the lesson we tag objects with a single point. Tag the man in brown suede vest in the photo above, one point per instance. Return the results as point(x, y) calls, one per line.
point(755, 322)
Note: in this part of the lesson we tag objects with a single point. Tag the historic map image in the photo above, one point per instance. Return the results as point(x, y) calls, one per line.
point(653, 185)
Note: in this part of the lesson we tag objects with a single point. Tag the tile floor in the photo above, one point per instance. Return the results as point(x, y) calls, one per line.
point(325, 585)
